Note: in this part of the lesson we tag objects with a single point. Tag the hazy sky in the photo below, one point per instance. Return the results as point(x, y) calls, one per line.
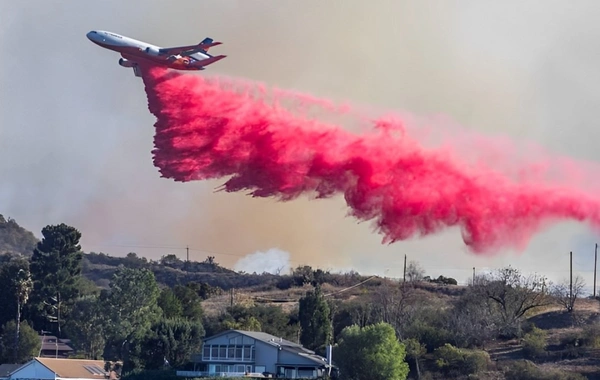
point(76, 134)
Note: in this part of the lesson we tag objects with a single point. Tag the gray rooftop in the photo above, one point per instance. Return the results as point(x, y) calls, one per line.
point(7, 369)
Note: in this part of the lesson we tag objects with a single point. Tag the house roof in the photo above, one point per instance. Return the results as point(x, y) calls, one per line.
point(7, 369)
point(50, 343)
point(278, 342)
point(262, 336)
point(75, 368)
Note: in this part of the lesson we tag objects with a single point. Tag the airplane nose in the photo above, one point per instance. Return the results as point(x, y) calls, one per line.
point(92, 35)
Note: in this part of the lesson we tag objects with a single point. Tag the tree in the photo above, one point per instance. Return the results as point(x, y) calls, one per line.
point(473, 319)
point(204, 290)
point(170, 304)
point(55, 268)
point(249, 323)
point(303, 275)
point(28, 346)
point(314, 320)
point(372, 352)
point(414, 272)
point(174, 340)
point(130, 308)
point(171, 260)
point(16, 285)
point(190, 302)
point(415, 350)
point(84, 327)
point(514, 295)
point(394, 304)
point(562, 293)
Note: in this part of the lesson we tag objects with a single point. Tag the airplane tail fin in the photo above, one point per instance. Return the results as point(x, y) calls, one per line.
point(207, 43)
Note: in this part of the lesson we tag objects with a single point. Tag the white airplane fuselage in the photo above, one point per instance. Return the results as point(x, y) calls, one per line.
point(193, 57)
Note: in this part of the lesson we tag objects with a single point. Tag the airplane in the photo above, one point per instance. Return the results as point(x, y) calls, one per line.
point(192, 57)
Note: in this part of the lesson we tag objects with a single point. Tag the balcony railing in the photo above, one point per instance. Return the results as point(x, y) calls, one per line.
point(197, 374)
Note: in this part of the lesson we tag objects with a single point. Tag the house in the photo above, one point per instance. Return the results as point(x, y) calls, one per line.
point(52, 347)
point(55, 369)
point(6, 369)
point(235, 353)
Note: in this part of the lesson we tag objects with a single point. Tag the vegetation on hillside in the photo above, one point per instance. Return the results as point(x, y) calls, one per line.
point(15, 239)
point(504, 325)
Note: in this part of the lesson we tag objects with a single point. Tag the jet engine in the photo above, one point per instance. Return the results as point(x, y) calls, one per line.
point(126, 63)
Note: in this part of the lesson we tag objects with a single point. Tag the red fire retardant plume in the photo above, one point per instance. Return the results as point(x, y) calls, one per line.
point(205, 130)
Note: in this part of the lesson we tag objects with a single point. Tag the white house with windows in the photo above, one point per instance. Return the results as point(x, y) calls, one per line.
point(235, 353)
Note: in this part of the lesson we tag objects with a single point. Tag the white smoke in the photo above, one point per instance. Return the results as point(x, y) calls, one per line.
point(273, 261)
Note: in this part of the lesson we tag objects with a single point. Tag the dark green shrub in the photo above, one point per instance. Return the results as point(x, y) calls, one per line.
point(457, 361)
point(151, 375)
point(285, 283)
point(534, 343)
point(431, 336)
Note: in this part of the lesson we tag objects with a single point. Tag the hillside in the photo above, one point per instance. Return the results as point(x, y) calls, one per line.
point(464, 331)
point(15, 239)
point(170, 271)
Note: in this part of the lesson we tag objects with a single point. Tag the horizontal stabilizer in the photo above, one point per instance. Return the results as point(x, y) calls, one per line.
point(210, 60)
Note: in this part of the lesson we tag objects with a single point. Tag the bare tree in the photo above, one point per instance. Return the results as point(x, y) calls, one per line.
point(473, 319)
point(514, 295)
point(414, 272)
point(562, 293)
point(394, 304)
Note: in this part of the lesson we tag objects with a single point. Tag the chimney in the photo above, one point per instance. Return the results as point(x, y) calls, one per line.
point(328, 353)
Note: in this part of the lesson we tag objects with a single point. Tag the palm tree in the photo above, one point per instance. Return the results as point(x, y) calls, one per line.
point(22, 286)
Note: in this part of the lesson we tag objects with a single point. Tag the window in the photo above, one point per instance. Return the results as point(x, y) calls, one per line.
point(229, 353)
point(290, 373)
point(306, 373)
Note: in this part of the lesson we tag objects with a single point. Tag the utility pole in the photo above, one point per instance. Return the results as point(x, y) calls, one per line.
point(404, 278)
point(571, 281)
point(473, 276)
point(595, 262)
point(187, 250)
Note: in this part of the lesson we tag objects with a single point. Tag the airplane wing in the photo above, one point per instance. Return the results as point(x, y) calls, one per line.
point(190, 49)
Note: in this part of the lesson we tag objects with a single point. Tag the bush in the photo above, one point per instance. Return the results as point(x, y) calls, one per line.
point(151, 375)
point(285, 283)
point(591, 336)
point(431, 336)
point(534, 343)
point(526, 370)
point(456, 361)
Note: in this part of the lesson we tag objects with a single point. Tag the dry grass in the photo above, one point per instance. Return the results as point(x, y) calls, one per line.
point(286, 299)
point(558, 324)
